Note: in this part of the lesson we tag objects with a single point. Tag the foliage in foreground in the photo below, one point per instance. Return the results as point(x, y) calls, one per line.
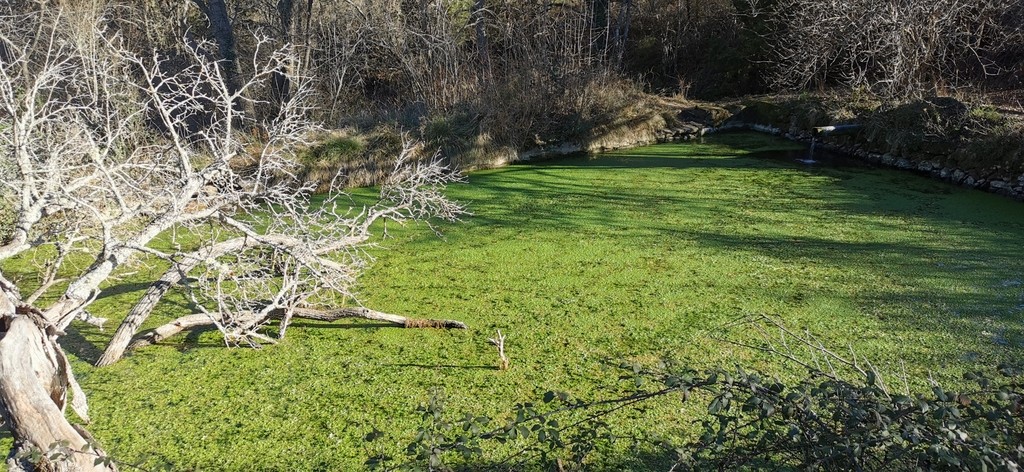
point(754, 421)
point(841, 416)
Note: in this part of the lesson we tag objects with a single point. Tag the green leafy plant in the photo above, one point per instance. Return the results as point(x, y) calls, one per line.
point(841, 416)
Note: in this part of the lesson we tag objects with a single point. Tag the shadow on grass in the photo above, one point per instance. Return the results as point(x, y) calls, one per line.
point(76, 343)
point(904, 196)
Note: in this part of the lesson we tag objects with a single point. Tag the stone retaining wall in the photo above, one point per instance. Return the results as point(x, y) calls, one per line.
point(1003, 185)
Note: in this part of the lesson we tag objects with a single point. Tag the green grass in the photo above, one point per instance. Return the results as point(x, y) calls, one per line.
point(333, 151)
point(631, 255)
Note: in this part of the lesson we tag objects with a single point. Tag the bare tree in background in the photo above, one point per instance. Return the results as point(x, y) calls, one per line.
point(897, 47)
point(106, 154)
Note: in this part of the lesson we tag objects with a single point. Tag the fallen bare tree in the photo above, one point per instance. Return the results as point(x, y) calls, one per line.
point(114, 157)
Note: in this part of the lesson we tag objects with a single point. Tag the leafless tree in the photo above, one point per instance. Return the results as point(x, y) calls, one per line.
point(103, 152)
point(897, 47)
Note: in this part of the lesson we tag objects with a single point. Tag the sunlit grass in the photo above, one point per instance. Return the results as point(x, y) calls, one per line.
point(632, 255)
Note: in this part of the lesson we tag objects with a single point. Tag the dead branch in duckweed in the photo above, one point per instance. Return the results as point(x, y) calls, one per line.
point(499, 342)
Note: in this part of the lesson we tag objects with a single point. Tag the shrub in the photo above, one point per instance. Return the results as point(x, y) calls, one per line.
point(345, 161)
point(841, 418)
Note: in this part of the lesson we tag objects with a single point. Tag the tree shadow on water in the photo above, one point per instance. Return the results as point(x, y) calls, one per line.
point(919, 250)
point(967, 295)
point(75, 343)
point(123, 288)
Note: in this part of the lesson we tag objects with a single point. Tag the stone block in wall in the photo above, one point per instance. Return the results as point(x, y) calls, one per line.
point(999, 185)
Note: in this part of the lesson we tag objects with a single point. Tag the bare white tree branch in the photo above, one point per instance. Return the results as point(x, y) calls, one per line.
point(103, 150)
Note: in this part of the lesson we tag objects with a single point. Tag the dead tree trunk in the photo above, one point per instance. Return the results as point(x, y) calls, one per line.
point(34, 380)
point(482, 46)
point(125, 337)
point(138, 315)
point(623, 21)
point(280, 81)
point(142, 309)
point(216, 12)
point(189, 322)
point(600, 25)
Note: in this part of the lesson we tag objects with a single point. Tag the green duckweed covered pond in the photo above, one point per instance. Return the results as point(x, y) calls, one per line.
point(581, 262)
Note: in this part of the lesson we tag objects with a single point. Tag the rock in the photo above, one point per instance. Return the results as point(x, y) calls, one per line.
point(945, 173)
point(999, 185)
point(904, 164)
point(958, 176)
point(888, 159)
point(969, 181)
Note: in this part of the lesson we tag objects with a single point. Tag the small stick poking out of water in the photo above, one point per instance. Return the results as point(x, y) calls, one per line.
point(499, 341)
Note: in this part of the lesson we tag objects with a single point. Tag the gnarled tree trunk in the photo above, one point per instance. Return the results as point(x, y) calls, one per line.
point(34, 380)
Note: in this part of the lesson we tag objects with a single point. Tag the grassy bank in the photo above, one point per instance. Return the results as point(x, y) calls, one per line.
point(630, 255)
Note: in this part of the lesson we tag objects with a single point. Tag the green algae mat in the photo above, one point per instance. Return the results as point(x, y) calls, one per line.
point(583, 262)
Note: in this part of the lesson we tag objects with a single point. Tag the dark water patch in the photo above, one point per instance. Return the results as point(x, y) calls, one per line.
point(813, 158)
